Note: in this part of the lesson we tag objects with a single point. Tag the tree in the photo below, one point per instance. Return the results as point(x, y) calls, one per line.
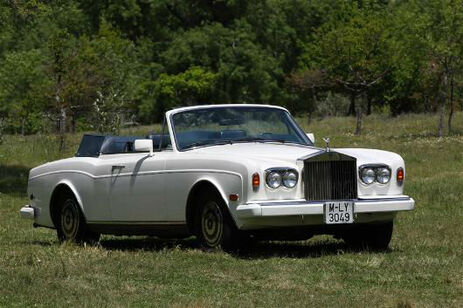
point(58, 58)
point(355, 55)
point(309, 84)
point(22, 87)
point(444, 34)
point(191, 87)
point(86, 69)
point(404, 88)
point(246, 72)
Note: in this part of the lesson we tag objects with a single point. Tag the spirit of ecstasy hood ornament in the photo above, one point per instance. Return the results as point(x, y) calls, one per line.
point(327, 144)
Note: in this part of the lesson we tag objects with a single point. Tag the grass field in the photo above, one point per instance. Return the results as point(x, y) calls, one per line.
point(423, 268)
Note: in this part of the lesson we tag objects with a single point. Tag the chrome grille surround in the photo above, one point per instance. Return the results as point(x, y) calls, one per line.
point(330, 176)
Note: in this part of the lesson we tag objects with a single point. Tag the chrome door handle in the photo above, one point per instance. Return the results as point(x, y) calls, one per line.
point(118, 167)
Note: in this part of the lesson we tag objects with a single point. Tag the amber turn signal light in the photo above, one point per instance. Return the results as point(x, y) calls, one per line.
point(400, 176)
point(255, 180)
point(233, 197)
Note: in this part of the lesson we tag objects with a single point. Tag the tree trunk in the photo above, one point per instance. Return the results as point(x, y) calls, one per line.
point(452, 106)
point(358, 130)
point(73, 123)
point(314, 103)
point(23, 126)
point(369, 101)
point(1, 130)
point(351, 110)
point(62, 129)
point(440, 127)
point(459, 94)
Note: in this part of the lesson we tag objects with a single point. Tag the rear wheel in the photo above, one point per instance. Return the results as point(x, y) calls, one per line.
point(71, 224)
point(214, 227)
point(374, 236)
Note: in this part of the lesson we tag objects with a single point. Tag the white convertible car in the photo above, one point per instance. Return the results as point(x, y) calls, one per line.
point(223, 173)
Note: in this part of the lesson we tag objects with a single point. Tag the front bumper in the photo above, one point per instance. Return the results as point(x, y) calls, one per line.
point(303, 207)
point(27, 212)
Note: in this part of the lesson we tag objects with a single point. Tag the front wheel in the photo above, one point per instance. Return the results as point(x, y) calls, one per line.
point(71, 225)
point(214, 227)
point(374, 236)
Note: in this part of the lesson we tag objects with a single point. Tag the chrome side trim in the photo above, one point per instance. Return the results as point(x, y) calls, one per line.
point(384, 199)
point(142, 173)
point(135, 223)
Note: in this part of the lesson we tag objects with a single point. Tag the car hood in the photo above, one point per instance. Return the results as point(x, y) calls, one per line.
point(291, 153)
point(270, 151)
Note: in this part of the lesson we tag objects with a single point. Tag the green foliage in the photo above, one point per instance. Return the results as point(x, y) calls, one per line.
point(22, 85)
point(246, 72)
point(106, 113)
point(354, 54)
point(404, 85)
point(188, 88)
point(57, 56)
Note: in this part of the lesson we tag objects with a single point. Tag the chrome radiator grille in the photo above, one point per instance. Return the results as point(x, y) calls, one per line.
point(330, 177)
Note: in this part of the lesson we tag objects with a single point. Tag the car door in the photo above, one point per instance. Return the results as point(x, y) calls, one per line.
point(136, 188)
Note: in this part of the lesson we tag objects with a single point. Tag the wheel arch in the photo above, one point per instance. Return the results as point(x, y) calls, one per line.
point(199, 186)
point(61, 189)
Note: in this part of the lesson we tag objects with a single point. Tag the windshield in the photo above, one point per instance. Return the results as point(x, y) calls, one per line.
point(222, 125)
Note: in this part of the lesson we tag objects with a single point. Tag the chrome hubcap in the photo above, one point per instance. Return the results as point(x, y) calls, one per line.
point(211, 223)
point(69, 219)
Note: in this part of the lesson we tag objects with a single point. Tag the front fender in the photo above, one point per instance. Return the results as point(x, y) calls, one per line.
point(74, 191)
point(226, 184)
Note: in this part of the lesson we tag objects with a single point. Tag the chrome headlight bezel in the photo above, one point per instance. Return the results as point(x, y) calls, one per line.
point(368, 175)
point(375, 174)
point(284, 175)
point(273, 179)
point(290, 178)
point(380, 174)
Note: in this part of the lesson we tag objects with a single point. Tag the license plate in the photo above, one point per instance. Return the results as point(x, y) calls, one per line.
point(339, 212)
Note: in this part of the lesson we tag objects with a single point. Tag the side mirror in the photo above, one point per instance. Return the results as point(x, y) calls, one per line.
point(311, 137)
point(143, 145)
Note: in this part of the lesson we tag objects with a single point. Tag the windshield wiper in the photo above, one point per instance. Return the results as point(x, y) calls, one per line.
point(206, 142)
point(263, 140)
point(258, 139)
point(231, 141)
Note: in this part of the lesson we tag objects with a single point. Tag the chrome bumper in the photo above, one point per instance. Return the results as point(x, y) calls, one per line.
point(303, 207)
point(27, 212)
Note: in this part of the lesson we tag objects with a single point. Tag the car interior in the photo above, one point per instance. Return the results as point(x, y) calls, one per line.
point(94, 145)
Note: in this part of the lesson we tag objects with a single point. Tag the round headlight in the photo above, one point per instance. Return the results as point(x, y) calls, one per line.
point(290, 179)
point(368, 175)
point(274, 179)
point(383, 175)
